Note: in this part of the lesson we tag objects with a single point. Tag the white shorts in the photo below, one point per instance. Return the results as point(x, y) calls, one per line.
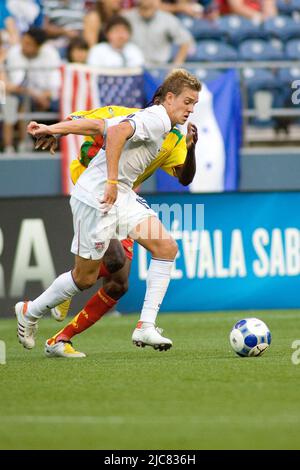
point(93, 230)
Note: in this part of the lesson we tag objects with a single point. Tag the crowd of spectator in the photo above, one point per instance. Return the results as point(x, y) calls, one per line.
point(36, 36)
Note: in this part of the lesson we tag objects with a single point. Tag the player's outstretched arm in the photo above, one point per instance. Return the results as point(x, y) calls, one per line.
point(78, 127)
point(186, 172)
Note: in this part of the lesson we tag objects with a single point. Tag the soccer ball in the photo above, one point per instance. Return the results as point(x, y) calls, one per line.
point(250, 337)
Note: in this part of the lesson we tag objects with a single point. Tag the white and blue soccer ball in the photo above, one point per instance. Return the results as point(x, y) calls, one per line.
point(250, 337)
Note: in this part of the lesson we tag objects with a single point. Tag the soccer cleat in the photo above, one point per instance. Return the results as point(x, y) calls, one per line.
point(26, 329)
point(151, 336)
point(61, 311)
point(62, 349)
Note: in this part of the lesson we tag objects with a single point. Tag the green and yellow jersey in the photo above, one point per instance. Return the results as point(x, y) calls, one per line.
point(172, 153)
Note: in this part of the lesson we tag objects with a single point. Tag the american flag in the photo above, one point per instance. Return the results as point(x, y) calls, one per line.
point(84, 88)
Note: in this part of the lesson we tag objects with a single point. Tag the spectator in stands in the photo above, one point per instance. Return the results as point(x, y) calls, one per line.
point(117, 51)
point(3, 53)
point(257, 10)
point(2, 60)
point(96, 20)
point(64, 18)
point(8, 28)
point(156, 32)
point(33, 81)
point(77, 51)
point(26, 14)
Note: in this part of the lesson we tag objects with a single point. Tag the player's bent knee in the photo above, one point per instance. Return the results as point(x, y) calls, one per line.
point(173, 248)
point(114, 258)
point(115, 263)
point(166, 249)
point(84, 282)
point(116, 290)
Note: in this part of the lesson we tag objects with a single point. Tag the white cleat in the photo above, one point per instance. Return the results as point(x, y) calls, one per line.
point(151, 336)
point(62, 349)
point(61, 311)
point(26, 330)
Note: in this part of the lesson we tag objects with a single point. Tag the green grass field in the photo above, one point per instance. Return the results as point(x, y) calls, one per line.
point(198, 395)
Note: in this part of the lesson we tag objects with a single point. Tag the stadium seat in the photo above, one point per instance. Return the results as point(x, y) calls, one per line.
point(238, 28)
point(282, 27)
point(262, 89)
point(203, 29)
point(279, 45)
point(295, 5)
point(205, 75)
point(292, 50)
point(287, 75)
point(216, 51)
point(258, 49)
point(289, 8)
point(285, 7)
point(258, 79)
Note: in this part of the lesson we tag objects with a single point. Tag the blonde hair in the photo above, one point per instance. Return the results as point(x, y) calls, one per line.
point(177, 80)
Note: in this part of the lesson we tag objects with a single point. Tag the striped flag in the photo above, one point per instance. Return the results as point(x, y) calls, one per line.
point(85, 88)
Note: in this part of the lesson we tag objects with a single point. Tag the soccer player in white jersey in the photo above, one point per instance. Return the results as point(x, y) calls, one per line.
point(104, 207)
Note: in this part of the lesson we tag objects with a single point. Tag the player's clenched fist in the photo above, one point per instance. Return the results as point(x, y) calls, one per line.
point(192, 135)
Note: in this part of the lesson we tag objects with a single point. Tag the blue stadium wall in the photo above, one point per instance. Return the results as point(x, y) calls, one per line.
point(41, 176)
point(246, 255)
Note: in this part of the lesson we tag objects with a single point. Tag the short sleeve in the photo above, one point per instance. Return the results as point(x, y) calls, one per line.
point(151, 124)
point(76, 115)
point(148, 125)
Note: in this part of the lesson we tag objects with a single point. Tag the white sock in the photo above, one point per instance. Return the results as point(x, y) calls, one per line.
point(158, 280)
point(61, 289)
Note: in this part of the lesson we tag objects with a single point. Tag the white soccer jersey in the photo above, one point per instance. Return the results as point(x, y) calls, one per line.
point(150, 129)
